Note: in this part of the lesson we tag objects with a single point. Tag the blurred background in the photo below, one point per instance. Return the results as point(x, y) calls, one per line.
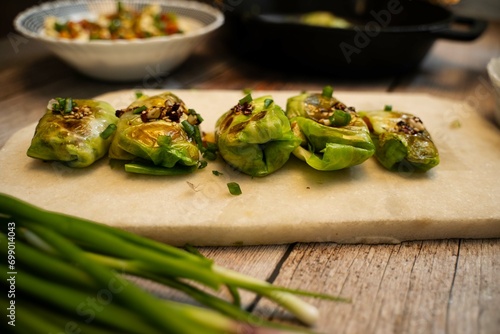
point(485, 9)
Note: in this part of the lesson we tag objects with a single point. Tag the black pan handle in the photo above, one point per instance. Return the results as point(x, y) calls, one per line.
point(475, 27)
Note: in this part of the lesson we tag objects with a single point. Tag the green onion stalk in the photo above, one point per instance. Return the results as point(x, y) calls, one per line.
point(70, 272)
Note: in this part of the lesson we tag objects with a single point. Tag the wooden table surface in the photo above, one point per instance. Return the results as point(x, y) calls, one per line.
point(443, 286)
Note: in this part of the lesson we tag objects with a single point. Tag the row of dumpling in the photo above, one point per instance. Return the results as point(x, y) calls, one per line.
point(160, 135)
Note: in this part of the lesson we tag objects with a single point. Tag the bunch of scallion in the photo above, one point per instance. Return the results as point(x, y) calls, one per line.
point(70, 279)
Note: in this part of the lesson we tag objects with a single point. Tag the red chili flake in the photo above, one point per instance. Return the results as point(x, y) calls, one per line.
point(245, 108)
point(174, 114)
point(144, 116)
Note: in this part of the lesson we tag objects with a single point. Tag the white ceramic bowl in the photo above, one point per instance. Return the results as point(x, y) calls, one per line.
point(121, 60)
point(494, 73)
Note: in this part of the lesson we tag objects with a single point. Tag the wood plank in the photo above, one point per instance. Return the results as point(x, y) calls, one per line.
point(429, 288)
point(406, 288)
point(475, 297)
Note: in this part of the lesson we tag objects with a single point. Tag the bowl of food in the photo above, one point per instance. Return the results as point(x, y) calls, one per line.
point(125, 40)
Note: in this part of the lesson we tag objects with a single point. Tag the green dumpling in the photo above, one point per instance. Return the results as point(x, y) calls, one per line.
point(401, 140)
point(158, 132)
point(332, 135)
point(255, 136)
point(74, 132)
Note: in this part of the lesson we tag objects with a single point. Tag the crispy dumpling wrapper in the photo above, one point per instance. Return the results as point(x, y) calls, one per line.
point(401, 141)
point(332, 135)
point(74, 132)
point(255, 136)
point(153, 129)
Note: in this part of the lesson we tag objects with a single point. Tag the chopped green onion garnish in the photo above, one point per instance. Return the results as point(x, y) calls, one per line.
point(63, 106)
point(158, 22)
point(198, 116)
point(120, 7)
point(211, 146)
point(193, 131)
point(210, 155)
point(234, 188)
point(197, 137)
point(247, 91)
point(108, 131)
point(138, 94)
point(60, 26)
point(114, 25)
point(68, 105)
point(327, 91)
point(217, 173)
point(210, 151)
point(340, 118)
point(60, 106)
point(246, 99)
point(267, 103)
point(189, 128)
point(139, 109)
point(202, 164)
point(388, 107)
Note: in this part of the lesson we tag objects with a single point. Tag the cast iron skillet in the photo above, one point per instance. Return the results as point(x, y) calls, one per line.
point(389, 36)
